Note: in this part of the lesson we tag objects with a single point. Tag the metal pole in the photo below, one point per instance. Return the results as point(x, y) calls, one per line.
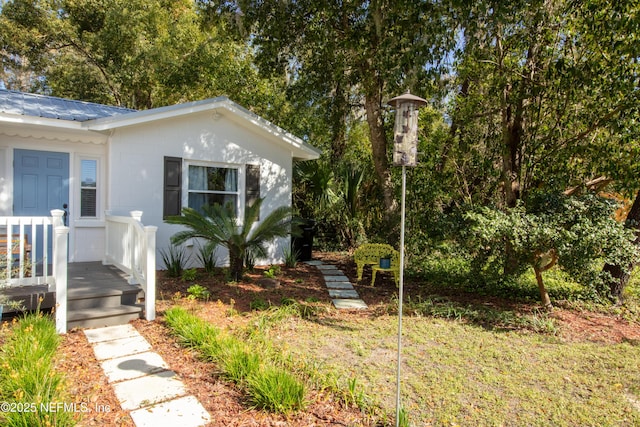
point(400, 293)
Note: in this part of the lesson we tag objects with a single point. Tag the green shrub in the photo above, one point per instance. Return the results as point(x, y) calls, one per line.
point(189, 275)
point(273, 271)
point(633, 288)
point(218, 349)
point(191, 333)
point(197, 291)
point(239, 362)
point(403, 418)
point(355, 394)
point(442, 265)
point(576, 233)
point(259, 304)
point(218, 225)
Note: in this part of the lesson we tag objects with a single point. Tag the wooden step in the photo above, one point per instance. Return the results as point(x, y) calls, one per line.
point(83, 298)
point(103, 316)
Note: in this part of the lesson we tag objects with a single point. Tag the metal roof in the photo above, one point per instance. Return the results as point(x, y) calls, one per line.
point(87, 116)
point(50, 107)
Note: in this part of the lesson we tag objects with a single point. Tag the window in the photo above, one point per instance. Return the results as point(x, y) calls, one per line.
point(206, 184)
point(212, 185)
point(88, 188)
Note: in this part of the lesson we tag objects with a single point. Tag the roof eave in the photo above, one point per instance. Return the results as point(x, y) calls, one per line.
point(49, 129)
point(40, 122)
point(306, 152)
point(144, 116)
point(300, 149)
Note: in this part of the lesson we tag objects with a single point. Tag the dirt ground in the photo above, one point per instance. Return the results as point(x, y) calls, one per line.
point(226, 403)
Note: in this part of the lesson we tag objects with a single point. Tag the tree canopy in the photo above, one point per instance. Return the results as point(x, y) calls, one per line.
point(134, 53)
point(528, 99)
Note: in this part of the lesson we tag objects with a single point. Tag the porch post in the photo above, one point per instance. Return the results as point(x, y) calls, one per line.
point(150, 292)
point(107, 238)
point(60, 260)
point(134, 251)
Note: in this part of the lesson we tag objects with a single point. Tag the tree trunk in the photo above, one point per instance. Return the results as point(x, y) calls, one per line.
point(620, 274)
point(511, 118)
point(379, 151)
point(538, 268)
point(544, 295)
point(513, 135)
point(512, 139)
point(236, 263)
point(338, 114)
point(454, 130)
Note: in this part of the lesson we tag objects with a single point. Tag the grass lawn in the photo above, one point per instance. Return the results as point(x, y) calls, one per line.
point(460, 374)
point(468, 361)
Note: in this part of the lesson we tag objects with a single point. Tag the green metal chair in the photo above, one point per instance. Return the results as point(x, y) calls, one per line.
point(370, 254)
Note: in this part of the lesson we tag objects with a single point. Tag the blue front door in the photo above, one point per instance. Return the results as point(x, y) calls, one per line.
point(40, 184)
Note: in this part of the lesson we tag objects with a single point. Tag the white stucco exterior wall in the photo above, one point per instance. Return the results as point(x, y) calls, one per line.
point(136, 166)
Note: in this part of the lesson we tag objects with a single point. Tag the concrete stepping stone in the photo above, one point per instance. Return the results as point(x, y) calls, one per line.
point(336, 278)
point(133, 366)
point(184, 412)
point(343, 293)
point(326, 267)
point(332, 273)
point(339, 285)
point(349, 304)
point(120, 347)
point(110, 333)
point(148, 390)
point(142, 381)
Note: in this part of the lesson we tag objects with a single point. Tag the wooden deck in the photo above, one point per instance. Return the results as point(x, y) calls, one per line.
point(98, 295)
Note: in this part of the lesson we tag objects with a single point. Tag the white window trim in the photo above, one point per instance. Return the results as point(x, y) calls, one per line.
point(100, 193)
point(240, 176)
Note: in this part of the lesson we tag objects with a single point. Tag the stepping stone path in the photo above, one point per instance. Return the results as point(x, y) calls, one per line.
point(142, 381)
point(341, 291)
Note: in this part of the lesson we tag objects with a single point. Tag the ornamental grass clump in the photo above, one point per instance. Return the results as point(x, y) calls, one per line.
point(244, 362)
point(276, 390)
point(29, 382)
point(240, 362)
point(190, 333)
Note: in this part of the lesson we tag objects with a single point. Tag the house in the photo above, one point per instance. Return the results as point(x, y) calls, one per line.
point(94, 161)
point(102, 159)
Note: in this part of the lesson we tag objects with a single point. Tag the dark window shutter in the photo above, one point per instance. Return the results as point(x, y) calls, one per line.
point(252, 184)
point(172, 186)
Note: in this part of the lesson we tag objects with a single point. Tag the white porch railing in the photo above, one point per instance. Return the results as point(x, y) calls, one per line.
point(24, 256)
point(60, 255)
point(131, 247)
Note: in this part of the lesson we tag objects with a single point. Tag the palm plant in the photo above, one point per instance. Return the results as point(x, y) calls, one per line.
point(218, 225)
